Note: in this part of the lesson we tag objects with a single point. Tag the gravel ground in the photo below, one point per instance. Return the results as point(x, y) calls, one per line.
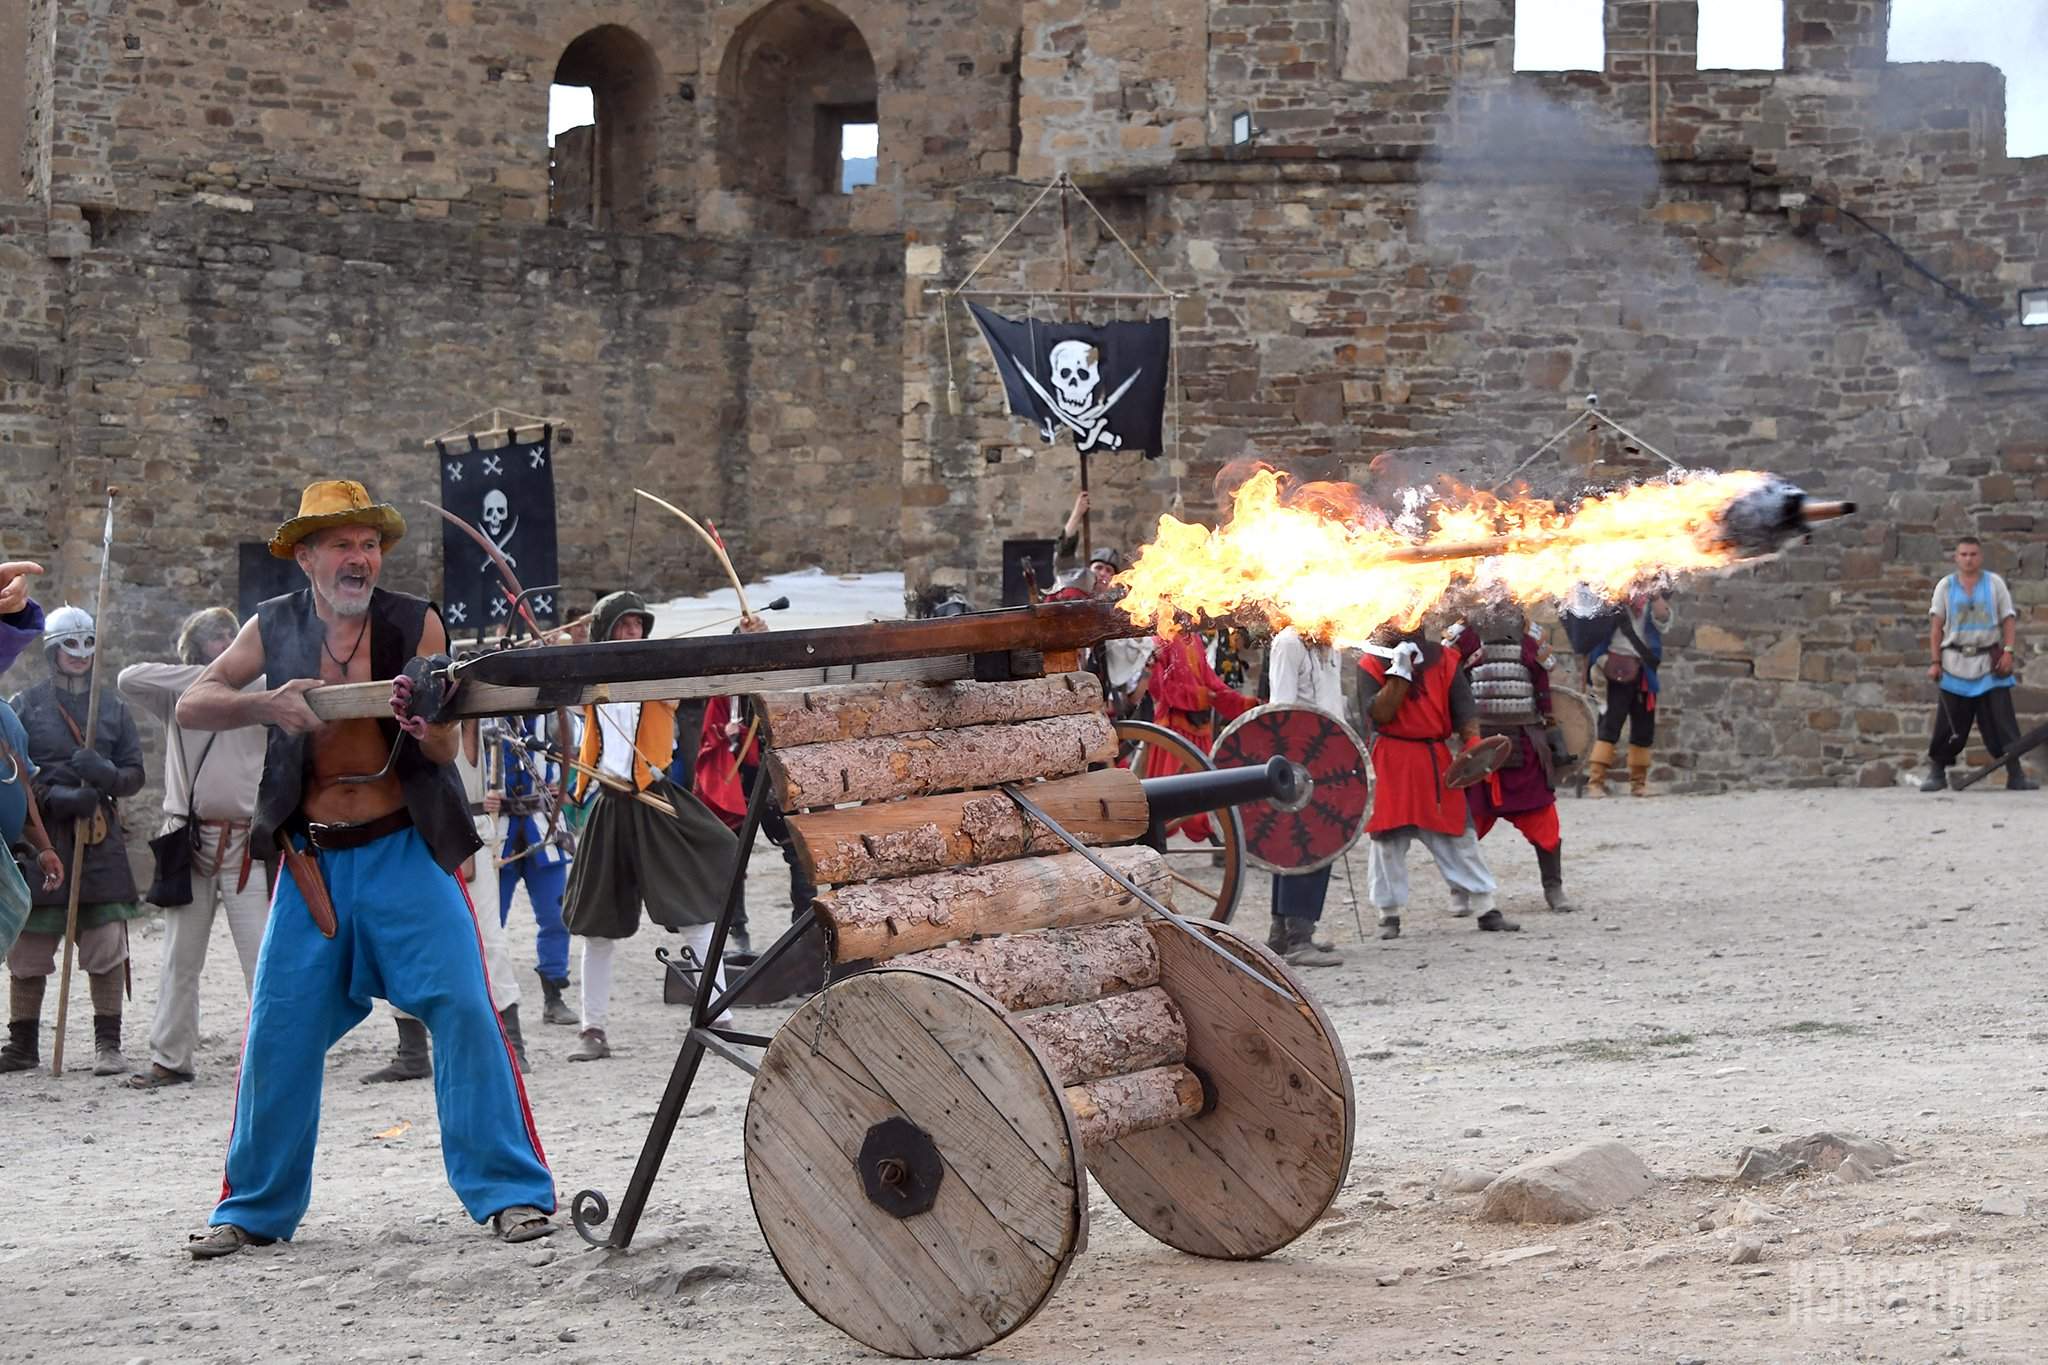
point(1744, 967)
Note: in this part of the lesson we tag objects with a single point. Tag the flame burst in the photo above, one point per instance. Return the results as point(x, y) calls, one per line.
point(1318, 557)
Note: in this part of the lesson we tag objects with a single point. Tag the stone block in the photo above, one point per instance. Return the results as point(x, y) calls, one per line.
point(1780, 663)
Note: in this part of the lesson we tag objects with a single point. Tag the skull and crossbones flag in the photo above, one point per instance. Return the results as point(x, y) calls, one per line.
point(508, 493)
point(1102, 384)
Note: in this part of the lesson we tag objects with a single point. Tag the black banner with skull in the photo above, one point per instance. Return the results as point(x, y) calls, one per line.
point(1103, 384)
point(508, 493)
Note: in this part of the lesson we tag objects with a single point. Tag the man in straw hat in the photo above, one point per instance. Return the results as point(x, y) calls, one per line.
point(373, 828)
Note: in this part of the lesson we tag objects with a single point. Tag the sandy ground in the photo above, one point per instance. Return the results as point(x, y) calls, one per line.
point(1744, 967)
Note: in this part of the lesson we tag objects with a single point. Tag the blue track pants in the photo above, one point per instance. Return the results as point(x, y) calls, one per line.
point(405, 933)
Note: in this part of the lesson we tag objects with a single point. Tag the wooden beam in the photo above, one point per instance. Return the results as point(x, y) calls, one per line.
point(931, 761)
point(966, 829)
point(824, 714)
point(884, 919)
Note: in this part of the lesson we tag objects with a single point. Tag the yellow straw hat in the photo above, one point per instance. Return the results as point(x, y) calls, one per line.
point(337, 502)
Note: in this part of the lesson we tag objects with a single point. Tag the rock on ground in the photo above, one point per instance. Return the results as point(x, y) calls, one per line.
point(1568, 1185)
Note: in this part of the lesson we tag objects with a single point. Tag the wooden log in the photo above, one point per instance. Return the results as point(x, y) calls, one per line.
point(964, 829)
point(824, 714)
point(885, 919)
point(1113, 1036)
point(1117, 1106)
point(930, 761)
point(1051, 966)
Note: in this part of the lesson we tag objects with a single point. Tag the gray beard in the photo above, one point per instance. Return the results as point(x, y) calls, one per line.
point(347, 611)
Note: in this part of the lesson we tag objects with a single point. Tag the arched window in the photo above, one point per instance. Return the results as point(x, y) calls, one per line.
point(798, 119)
point(601, 174)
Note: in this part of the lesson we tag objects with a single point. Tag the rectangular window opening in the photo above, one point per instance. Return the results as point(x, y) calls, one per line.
point(2034, 307)
point(1565, 35)
point(1742, 35)
point(859, 150)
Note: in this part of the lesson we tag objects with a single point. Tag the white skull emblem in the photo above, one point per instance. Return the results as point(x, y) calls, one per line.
point(497, 511)
point(1076, 370)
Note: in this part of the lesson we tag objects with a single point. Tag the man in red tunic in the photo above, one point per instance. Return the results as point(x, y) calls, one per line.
point(1187, 696)
point(1510, 671)
point(1416, 696)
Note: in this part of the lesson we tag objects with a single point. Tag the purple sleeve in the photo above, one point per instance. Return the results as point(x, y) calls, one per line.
point(17, 632)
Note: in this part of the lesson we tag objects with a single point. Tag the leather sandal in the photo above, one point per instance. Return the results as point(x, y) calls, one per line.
point(223, 1239)
point(522, 1223)
point(157, 1077)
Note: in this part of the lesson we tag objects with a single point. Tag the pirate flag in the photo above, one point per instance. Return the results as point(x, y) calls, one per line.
point(508, 493)
point(1105, 385)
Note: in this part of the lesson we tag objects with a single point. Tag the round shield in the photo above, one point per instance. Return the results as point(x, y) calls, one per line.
point(1476, 762)
point(1576, 717)
point(1313, 832)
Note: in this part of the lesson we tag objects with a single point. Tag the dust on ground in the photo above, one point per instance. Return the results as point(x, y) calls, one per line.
point(1744, 968)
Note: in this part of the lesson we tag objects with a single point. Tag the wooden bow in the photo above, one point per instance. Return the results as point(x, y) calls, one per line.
point(717, 545)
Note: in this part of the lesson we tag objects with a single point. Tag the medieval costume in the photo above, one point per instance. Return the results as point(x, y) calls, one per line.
point(1626, 655)
point(26, 857)
point(210, 785)
point(725, 779)
point(77, 786)
point(1187, 697)
point(1410, 759)
point(371, 909)
point(1303, 674)
point(675, 858)
point(1510, 672)
point(528, 781)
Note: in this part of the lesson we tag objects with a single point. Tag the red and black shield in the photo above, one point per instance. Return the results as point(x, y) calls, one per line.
point(1314, 832)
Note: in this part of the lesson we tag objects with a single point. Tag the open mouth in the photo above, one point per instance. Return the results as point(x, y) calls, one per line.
point(352, 582)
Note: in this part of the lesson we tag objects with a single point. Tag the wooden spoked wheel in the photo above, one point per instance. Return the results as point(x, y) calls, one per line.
point(1265, 1158)
point(912, 1164)
point(1190, 862)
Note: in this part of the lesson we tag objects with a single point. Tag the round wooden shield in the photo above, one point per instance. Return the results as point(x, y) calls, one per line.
point(913, 1165)
point(1579, 721)
point(1314, 833)
point(1476, 762)
point(1258, 1167)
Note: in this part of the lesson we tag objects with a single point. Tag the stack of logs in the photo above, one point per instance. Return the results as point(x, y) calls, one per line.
point(935, 857)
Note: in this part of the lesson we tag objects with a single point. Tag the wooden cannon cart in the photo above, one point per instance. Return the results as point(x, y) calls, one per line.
point(1031, 1010)
point(919, 1133)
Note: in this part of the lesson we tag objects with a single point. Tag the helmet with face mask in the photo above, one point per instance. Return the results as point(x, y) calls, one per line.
point(70, 629)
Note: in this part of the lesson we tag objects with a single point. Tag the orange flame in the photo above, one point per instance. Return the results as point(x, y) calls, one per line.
point(1319, 557)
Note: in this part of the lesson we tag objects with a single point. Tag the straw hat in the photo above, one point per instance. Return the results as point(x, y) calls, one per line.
point(336, 502)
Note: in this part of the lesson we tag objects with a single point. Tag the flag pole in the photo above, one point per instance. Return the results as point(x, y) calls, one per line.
point(80, 828)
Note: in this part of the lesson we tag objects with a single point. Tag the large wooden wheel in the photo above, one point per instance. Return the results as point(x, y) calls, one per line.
point(1268, 1154)
point(912, 1165)
point(1184, 857)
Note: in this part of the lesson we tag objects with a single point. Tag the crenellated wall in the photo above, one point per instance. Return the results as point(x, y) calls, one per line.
point(263, 242)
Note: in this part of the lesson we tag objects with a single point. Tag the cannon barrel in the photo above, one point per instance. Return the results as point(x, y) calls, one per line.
point(1185, 794)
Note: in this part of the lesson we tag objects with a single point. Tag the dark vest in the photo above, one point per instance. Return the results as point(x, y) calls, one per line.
point(292, 637)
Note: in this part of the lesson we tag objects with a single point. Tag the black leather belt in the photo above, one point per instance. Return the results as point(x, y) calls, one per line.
point(335, 838)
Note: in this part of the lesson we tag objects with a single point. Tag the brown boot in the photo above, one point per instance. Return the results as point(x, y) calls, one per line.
point(1638, 770)
point(1597, 764)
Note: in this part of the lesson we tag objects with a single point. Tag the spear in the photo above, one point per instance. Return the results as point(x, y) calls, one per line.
point(82, 827)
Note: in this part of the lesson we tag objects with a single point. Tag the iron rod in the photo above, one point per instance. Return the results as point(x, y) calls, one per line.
point(1144, 897)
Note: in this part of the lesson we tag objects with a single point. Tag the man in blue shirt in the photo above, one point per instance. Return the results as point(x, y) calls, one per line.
point(1971, 630)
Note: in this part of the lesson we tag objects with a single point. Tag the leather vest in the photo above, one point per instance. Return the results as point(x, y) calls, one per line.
point(292, 636)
